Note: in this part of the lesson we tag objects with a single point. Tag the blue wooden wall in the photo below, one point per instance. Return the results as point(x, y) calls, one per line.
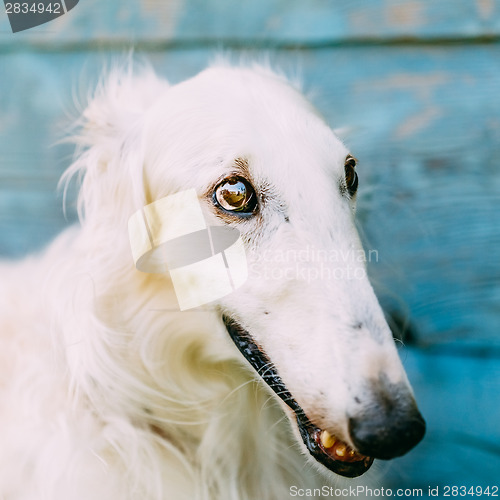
point(416, 82)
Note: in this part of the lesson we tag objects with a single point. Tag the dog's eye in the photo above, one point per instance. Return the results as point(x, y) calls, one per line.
point(235, 194)
point(351, 177)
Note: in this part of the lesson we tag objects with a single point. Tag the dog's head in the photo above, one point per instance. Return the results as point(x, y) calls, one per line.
point(263, 161)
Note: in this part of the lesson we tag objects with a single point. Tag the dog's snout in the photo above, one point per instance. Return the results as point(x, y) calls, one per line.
point(388, 427)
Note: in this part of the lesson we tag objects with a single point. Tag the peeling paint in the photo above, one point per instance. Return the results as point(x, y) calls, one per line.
point(363, 20)
point(417, 122)
point(422, 85)
point(165, 12)
point(485, 8)
point(407, 14)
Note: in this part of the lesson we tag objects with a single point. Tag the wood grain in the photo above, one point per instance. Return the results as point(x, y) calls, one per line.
point(293, 22)
point(458, 398)
point(415, 86)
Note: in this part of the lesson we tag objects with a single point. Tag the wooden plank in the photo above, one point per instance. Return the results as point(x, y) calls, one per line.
point(424, 125)
point(257, 21)
point(319, 21)
point(458, 397)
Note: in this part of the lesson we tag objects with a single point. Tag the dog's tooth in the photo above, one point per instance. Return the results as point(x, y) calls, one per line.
point(327, 440)
point(340, 450)
point(351, 452)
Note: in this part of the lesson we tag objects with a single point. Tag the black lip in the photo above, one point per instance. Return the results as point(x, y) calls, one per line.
point(308, 431)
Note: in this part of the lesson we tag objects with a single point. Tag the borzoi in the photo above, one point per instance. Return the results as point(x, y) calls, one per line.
point(109, 391)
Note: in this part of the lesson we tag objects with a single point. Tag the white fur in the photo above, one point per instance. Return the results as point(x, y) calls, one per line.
point(106, 391)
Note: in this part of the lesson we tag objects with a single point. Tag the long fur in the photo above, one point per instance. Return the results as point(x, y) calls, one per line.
point(107, 391)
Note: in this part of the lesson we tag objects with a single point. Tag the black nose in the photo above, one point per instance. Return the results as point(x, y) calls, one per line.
point(389, 426)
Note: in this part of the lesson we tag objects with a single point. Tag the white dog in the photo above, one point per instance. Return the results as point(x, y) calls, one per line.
point(108, 391)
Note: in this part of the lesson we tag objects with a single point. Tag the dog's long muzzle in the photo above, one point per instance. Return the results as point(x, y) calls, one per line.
point(389, 426)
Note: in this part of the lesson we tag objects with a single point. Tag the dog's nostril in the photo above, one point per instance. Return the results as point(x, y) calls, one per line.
point(387, 434)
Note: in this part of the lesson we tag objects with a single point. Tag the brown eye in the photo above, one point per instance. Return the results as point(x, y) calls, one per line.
point(235, 194)
point(351, 177)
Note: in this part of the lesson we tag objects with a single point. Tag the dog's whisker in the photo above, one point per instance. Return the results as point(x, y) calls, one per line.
point(235, 390)
point(266, 369)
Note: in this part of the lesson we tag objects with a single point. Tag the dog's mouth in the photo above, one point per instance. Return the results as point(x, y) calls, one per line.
point(327, 449)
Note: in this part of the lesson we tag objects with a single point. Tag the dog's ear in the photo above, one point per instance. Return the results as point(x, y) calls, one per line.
point(118, 104)
point(110, 154)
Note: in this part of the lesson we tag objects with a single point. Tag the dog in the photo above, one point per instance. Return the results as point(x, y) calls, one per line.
point(288, 383)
